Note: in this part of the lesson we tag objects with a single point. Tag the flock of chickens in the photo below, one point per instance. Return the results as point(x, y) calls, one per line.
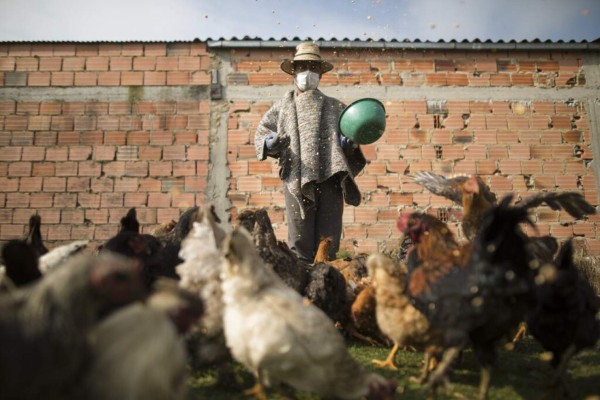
point(128, 319)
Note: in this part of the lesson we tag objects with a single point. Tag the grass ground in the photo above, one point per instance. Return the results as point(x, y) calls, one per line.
point(519, 374)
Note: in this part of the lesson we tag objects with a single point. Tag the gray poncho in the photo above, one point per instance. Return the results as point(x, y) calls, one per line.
point(310, 120)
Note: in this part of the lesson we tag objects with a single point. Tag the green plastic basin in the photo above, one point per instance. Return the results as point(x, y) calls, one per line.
point(363, 121)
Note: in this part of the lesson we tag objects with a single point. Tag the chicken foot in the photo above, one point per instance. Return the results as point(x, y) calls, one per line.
point(257, 391)
point(429, 364)
point(484, 383)
point(389, 361)
point(440, 374)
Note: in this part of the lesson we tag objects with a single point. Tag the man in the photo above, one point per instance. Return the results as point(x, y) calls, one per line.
point(317, 164)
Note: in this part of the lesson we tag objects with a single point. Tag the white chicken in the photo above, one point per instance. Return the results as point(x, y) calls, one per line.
point(59, 255)
point(282, 339)
point(200, 274)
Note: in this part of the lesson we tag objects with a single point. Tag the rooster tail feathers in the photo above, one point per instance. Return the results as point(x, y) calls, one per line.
point(129, 222)
point(501, 238)
point(572, 202)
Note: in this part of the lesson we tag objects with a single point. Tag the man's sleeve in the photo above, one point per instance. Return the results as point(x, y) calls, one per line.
point(267, 124)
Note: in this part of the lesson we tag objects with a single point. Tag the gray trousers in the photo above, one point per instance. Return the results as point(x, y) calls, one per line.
point(322, 219)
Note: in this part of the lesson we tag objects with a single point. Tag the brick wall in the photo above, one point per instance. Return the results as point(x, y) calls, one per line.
point(92, 143)
point(522, 144)
point(89, 130)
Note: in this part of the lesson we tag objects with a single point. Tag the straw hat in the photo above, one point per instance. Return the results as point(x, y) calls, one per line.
point(306, 52)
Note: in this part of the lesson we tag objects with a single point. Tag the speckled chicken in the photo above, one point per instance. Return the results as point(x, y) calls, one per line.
point(396, 316)
point(283, 340)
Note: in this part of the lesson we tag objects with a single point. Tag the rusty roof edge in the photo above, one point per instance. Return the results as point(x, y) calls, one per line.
point(405, 45)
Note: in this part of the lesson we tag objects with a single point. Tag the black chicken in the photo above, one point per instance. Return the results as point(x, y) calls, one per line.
point(564, 318)
point(34, 235)
point(21, 262)
point(274, 252)
point(474, 293)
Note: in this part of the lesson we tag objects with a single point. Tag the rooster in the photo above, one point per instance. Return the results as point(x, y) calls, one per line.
point(564, 318)
point(472, 293)
point(43, 326)
point(283, 340)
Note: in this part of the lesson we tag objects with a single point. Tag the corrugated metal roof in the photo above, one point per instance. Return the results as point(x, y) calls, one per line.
point(246, 41)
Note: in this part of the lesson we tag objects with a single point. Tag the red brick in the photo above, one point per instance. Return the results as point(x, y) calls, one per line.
point(199, 183)
point(109, 78)
point(86, 78)
point(178, 78)
point(132, 78)
point(54, 184)
point(155, 78)
point(38, 79)
point(96, 64)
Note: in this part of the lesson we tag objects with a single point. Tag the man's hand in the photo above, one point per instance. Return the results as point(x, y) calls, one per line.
point(275, 144)
point(346, 143)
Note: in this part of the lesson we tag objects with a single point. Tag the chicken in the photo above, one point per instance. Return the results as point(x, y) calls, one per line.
point(476, 198)
point(200, 274)
point(129, 222)
point(472, 293)
point(564, 317)
point(357, 318)
point(470, 192)
point(281, 339)
point(164, 229)
point(43, 326)
point(34, 235)
point(20, 264)
point(364, 318)
point(396, 316)
point(275, 253)
point(59, 255)
point(138, 352)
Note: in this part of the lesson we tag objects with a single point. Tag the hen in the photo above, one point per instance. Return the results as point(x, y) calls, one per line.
point(396, 316)
point(138, 352)
point(564, 318)
point(275, 253)
point(43, 326)
point(200, 274)
point(472, 293)
point(281, 339)
point(353, 308)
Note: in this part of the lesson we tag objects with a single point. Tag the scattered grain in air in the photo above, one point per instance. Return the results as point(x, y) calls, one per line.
point(369, 17)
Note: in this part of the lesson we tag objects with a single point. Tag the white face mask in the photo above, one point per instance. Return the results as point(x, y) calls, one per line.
point(307, 80)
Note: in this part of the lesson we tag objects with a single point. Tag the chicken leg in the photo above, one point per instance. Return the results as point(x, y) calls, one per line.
point(389, 361)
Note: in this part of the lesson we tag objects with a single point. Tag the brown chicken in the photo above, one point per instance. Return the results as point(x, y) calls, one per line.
point(354, 308)
point(474, 293)
point(396, 316)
